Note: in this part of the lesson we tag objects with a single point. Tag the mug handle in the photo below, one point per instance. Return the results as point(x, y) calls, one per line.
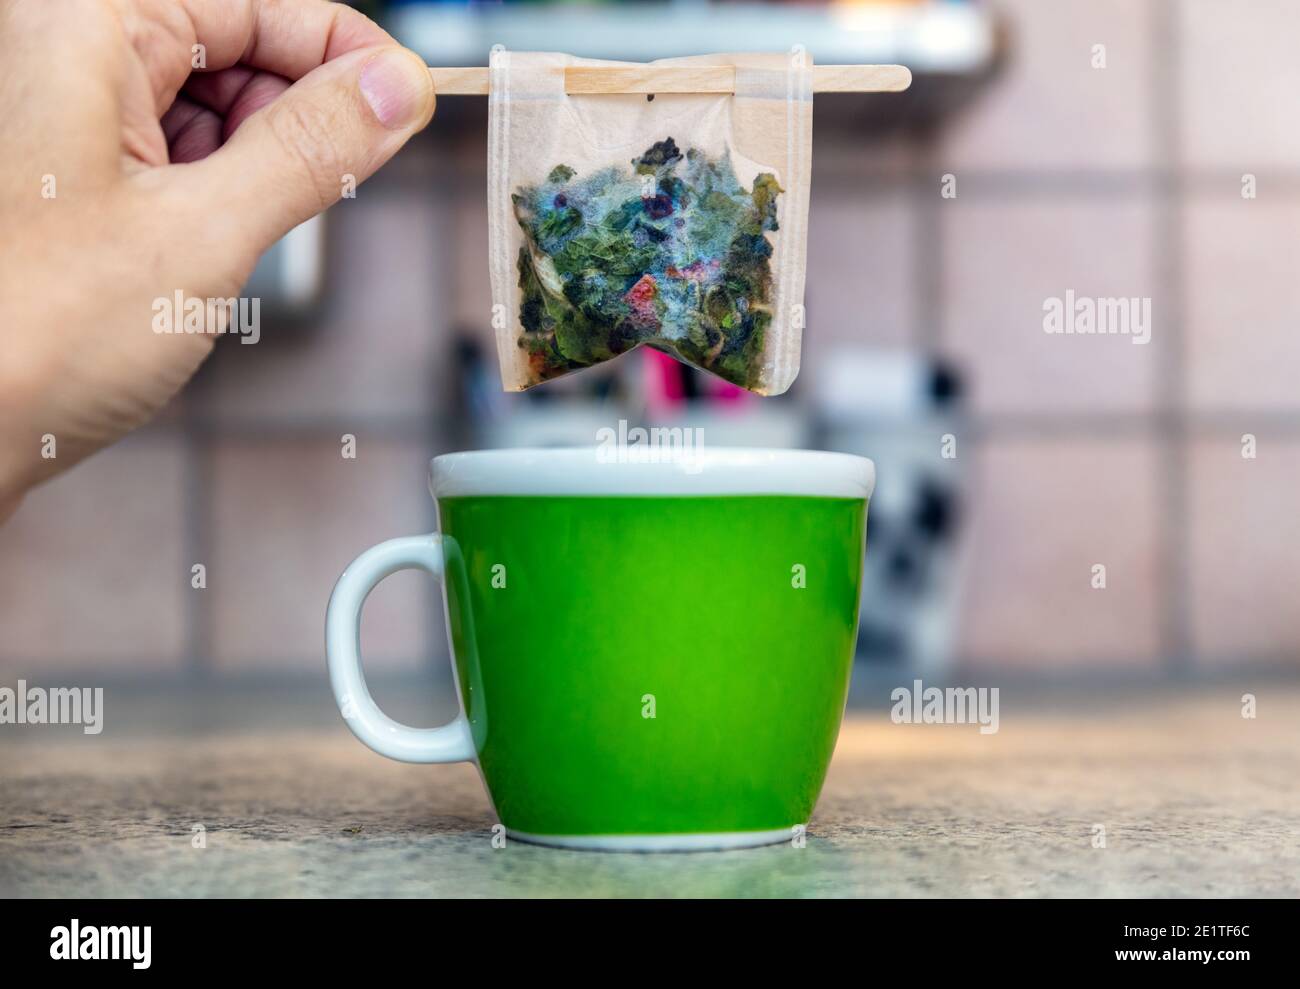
point(450, 743)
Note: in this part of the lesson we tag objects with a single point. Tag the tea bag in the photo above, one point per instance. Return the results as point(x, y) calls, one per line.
point(675, 221)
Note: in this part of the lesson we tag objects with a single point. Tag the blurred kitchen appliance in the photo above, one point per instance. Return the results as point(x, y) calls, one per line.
point(934, 36)
point(951, 46)
point(903, 410)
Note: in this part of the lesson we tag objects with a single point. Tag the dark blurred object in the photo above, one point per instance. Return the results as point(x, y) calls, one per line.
point(475, 395)
point(904, 412)
point(374, 9)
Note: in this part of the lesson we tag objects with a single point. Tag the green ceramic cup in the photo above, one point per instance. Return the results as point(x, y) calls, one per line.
point(649, 655)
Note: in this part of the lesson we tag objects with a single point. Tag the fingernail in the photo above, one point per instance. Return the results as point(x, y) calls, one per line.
point(396, 86)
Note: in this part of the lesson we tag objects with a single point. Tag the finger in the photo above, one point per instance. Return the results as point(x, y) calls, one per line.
point(193, 132)
point(288, 38)
point(234, 94)
point(291, 159)
point(212, 106)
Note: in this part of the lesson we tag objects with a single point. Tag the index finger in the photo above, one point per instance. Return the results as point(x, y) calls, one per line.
point(286, 37)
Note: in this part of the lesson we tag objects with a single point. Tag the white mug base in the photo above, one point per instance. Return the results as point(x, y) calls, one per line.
point(705, 842)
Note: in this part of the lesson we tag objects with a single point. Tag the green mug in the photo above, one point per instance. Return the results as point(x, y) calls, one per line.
point(651, 653)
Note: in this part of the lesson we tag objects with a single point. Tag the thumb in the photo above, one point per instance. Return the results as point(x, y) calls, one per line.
point(336, 125)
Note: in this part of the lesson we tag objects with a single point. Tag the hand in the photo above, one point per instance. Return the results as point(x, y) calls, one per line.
point(156, 146)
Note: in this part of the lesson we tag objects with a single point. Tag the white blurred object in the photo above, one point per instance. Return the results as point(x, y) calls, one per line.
point(289, 277)
point(579, 423)
point(942, 38)
point(858, 383)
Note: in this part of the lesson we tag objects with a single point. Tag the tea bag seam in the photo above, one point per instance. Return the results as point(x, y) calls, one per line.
point(498, 198)
point(798, 103)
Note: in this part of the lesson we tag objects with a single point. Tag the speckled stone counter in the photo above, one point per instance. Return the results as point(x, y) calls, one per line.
point(1193, 799)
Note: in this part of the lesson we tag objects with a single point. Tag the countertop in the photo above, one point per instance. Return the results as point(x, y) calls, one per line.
point(1194, 799)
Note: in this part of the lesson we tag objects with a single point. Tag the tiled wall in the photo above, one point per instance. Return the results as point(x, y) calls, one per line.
point(1123, 180)
point(1117, 181)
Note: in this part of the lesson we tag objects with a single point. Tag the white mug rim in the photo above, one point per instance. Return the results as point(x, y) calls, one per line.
point(641, 471)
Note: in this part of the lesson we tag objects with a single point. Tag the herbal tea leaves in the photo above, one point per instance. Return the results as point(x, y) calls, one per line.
point(672, 254)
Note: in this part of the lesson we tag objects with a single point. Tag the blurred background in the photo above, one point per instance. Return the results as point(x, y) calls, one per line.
point(1011, 462)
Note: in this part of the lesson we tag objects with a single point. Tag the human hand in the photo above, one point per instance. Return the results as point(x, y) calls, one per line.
point(129, 174)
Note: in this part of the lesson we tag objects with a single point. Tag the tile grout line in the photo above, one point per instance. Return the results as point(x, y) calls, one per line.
point(197, 541)
point(1285, 424)
point(1173, 473)
point(928, 319)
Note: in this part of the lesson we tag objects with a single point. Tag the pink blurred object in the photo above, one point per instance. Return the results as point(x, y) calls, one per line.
point(725, 393)
point(663, 382)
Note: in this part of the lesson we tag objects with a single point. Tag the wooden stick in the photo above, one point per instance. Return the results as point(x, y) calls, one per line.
point(586, 80)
